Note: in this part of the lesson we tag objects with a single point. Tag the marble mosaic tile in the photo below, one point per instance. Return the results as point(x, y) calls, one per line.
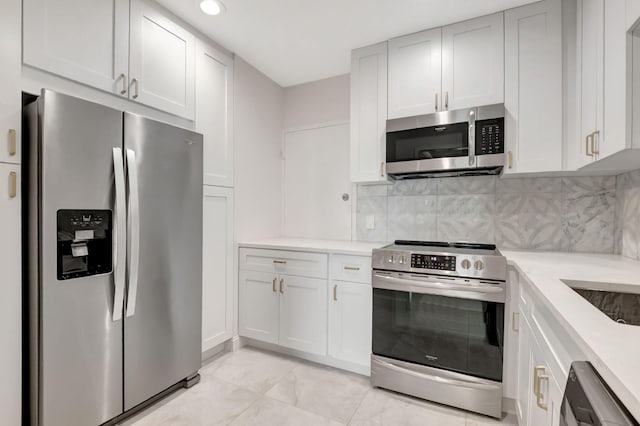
point(413, 226)
point(372, 190)
point(526, 185)
point(630, 244)
point(471, 228)
point(414, 187)
point(589, 184)
point(588, 222)
point(529, 231)
point(542, 204)
point(467, 185)
point(479, 204)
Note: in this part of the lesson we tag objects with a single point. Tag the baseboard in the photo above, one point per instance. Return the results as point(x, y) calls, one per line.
point(364, 370)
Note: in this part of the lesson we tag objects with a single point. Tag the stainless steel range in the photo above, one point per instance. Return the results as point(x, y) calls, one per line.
point(438, 322)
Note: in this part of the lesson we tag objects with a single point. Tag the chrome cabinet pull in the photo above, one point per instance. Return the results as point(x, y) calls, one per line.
point(586, 141)
point(436, 102)
point(595, 142)
point(13, 184)
point(335, 292)
point(540, 395)
point(351, 268)
point(134, 82)
point(12, 142)
point(515, 315)
point(510, 158)
point(446, 101)
point(280, 262)
point(274, 285)
point(123, 77)
point(282, 285)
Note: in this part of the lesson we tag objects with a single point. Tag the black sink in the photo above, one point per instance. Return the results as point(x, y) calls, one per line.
point(620, 302)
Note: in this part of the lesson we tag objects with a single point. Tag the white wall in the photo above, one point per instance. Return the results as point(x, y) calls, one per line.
point(258, 119)
point(322, 101)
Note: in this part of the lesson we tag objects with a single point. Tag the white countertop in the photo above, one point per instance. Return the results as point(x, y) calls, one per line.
point(612, 348)
point(313, 245)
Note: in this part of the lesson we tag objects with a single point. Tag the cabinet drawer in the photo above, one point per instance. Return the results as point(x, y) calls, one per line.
point(351, 268)
point(312, 265)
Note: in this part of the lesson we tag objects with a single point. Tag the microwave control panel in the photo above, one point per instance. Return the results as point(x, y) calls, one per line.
point(425, 261)
point(490, 136)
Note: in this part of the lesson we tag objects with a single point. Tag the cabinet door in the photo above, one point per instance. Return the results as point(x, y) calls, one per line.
point(590, 41)
point(217, 273)
point(524, 385)
point(350, 322)
point(368, 113)
point(473, 62)
point(259, 306)
point(214, 113)
point(533, 87)
point(617, 81)
point(10, 302)
point(540, 405)
point(10, 102)
point(303, 313)
point(415, 74)
point(83, 40)
point(511, 335)
point(161, 61)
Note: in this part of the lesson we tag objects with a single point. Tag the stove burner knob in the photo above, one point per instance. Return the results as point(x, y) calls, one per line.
point(479, 265)
point(466, 264)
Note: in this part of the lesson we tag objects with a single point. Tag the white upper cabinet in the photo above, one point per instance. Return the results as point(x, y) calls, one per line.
point(533, 87)
point(368, 113)
point(161, 61)
point(84, 40)
point(415, 74)
point(214, 113)
point(10, 101)
point(473, 62)
point(218, 271)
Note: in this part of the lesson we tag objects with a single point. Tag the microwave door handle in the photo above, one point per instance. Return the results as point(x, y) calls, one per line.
point(472, 136)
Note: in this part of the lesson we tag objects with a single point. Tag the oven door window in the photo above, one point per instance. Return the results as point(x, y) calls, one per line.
point(461, 335)
point(428, 143)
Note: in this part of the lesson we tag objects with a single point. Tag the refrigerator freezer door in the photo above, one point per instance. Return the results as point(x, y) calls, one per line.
point(163, 336)
point(80, 346)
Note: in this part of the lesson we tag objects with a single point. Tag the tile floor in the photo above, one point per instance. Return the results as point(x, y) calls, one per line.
point(253, 387)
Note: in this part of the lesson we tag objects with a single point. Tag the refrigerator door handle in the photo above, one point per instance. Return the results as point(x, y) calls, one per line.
point(120, 229)
point(133, 243)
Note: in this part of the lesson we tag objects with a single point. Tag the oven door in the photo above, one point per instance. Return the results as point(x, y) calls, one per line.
point(443, 147)
point(452, 324)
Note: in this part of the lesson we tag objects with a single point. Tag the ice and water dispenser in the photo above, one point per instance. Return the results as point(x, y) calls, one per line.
point(84, 243)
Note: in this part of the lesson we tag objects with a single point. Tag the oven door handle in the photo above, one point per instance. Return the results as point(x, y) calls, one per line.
point(445, 380)
point(403, 282)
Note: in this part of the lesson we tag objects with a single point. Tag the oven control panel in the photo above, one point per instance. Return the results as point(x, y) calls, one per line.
point(426, 261)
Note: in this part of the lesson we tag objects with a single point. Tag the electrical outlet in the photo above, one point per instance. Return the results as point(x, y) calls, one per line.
point(370, 221)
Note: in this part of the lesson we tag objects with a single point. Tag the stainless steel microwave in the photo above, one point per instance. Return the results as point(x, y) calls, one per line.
point(448, 143)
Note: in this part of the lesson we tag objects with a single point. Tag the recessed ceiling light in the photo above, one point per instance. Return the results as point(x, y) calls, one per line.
point(212, 7)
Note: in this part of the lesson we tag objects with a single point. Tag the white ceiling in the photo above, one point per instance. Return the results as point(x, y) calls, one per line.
point(297, 41)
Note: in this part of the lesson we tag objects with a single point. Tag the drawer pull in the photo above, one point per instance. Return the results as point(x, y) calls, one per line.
point(280, 262)
point(335, 292)
point(351, 268)
point(513, 321)
point(12, 142)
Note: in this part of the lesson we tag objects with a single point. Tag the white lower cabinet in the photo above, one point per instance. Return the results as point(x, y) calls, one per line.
point(217, 266)
point(303, 313)
point(350, 311)
point(287, 310)
point(10, 350)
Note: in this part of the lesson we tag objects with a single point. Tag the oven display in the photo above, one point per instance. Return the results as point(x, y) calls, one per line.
point(424, 261)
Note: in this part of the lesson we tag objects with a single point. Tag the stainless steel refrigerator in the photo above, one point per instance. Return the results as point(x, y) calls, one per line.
point(114, 257)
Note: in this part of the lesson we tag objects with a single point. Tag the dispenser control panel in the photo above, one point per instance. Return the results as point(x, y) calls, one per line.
point(84, 243)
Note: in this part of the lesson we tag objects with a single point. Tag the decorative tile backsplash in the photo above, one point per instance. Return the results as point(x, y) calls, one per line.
point(567, 214)
point(628, 214)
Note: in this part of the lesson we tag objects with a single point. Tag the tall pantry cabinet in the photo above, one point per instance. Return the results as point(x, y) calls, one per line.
point(10, 247)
